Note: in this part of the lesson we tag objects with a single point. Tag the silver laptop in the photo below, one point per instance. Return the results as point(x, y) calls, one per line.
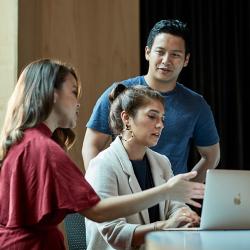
point(226, 203)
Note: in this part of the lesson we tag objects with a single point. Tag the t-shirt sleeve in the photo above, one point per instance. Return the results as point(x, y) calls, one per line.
point(99, 119)
point(205, 133)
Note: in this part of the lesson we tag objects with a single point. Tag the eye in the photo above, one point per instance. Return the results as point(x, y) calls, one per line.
point(159, 52)
point(151, 116)
point(176, 55)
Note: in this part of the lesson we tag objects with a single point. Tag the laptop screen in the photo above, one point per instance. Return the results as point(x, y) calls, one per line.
point(226, 203)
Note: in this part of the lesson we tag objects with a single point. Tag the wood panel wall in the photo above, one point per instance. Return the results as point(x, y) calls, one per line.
point(99, 37)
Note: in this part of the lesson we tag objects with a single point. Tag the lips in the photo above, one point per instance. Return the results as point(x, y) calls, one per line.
point(156, 134)
point(164, 69)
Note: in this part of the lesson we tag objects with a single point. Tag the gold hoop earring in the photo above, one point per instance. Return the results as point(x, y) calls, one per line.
point(127, 129)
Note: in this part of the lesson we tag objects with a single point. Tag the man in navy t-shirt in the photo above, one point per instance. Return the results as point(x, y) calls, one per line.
point(188, 116)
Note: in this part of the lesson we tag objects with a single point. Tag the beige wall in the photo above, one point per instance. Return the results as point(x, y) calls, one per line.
point(99, 37)
point(8, 51)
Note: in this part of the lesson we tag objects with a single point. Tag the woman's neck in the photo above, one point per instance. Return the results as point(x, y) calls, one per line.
point(50, 123)
point(134, 151)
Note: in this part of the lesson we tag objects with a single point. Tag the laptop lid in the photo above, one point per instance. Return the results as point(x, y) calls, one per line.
point(226, 203)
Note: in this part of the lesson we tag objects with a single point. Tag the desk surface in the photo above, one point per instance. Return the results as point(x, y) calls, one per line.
point(199, 240)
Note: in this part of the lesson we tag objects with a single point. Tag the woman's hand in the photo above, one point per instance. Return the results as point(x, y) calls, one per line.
point(179, 188)
point(183, 217)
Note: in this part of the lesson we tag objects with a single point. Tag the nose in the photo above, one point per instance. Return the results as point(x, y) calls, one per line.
point(160, 124)
point(165, 58)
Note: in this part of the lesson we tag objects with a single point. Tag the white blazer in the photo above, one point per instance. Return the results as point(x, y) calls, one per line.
point(111, 173)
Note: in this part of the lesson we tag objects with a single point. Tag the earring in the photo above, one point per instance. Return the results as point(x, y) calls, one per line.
point(128, 129)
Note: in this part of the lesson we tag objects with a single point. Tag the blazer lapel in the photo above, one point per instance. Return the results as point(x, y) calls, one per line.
point(127, 168)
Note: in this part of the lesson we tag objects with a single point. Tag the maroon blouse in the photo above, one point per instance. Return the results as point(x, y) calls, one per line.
point(39, 186)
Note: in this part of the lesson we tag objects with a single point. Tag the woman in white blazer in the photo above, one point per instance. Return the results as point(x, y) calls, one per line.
point(129, 166)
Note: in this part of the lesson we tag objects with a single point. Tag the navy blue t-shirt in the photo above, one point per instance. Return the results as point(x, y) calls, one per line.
point(144, 177)
point(187, 117)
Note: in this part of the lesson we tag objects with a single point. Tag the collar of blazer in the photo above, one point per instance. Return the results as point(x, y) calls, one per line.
point(157, 173)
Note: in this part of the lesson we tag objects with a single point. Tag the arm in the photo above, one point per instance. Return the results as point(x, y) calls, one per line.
point(118, 233)
point(98, 132)
point(177, 188)
point(183, 217)
point(210, 157)
point(94, 142)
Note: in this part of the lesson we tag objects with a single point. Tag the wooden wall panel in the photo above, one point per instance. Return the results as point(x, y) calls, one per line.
point(100, 38)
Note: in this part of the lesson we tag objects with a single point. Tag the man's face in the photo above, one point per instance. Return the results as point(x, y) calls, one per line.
point(166, 58)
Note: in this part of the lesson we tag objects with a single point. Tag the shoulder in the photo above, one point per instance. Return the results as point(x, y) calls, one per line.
point(103, 170)
point(160, 164)
point(103, 160)
point(162, 160)
point(128, 82)
point(157, 155)
point(138, 80)
point(111, 156)
point(190, 100)
point(189, 94)
point(38, 154)
point(110, 159)
point(45, 150)
point(187, 91)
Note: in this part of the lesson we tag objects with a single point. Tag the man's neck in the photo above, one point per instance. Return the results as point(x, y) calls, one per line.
point(159, 85)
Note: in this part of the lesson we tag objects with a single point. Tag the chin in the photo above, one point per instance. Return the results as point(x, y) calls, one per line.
point(152, 144)
point(71, 125)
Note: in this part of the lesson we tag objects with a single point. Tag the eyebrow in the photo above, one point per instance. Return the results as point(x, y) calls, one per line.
point(173, 50)
point(177, 50)
point(156, 111)
point(159, 47)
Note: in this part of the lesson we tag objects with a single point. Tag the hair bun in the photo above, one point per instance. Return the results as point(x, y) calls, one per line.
point(116, 91)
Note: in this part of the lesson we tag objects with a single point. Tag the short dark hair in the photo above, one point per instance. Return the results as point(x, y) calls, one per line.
point(174, 27)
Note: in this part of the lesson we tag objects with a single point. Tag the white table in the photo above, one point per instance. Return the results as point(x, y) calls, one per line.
point(199, 240)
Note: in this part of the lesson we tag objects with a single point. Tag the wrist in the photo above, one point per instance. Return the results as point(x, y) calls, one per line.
point(165, 192)
point(157, 226)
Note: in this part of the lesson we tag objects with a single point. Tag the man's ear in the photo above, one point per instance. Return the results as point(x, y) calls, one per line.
point(147, 53)
point(186, 60)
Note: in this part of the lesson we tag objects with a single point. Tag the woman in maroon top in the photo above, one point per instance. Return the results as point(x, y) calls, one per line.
point(39, 184)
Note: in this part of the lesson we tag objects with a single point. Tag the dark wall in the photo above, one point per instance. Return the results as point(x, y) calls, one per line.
point(219, 64)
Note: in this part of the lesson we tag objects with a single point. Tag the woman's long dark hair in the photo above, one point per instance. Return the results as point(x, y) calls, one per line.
point(32, 101)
